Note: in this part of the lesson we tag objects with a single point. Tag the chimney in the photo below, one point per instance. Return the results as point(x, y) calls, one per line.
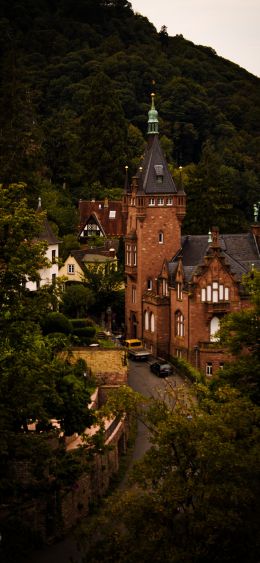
point(215, 237)
point(106, 202)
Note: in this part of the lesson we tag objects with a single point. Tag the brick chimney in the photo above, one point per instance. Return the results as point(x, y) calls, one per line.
point(215, 237)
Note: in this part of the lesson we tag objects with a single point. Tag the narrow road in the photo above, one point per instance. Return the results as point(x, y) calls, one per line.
point(141, 379)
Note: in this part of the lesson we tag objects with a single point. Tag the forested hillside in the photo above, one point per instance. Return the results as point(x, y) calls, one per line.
point(76, 78)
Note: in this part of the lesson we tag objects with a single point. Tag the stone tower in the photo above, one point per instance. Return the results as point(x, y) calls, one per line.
point(154, 209)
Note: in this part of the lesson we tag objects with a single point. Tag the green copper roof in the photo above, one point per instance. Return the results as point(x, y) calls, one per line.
point(153, 122)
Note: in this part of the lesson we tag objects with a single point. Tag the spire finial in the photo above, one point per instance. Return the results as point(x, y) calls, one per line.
point(153, 118)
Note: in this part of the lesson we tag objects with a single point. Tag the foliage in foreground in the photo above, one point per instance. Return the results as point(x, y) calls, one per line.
point(195, 491)
point(239, 332)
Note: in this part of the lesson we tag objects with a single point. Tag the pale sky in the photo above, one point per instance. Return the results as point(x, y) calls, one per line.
point(231, 27)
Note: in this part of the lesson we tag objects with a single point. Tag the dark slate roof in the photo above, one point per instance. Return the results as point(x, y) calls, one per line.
point(112, 226)
point(47, 233)
point(154, 157)
point(240, 251)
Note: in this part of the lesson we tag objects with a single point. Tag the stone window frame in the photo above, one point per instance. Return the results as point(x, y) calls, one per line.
point(152, 322)
point(179, 291)
point(161, 237)
point(146, 320)
point(215, 292)
point(179, 324)
point(128, 258)
point(134, 255)
point(165, 287)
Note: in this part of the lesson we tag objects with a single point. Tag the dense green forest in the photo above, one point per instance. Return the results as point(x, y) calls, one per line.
point(76, 79)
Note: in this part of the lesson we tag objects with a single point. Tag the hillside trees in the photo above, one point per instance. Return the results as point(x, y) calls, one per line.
point(51, 123)
point(104, 134)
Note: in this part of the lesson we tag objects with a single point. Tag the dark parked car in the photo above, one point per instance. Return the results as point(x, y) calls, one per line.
point(162, 369)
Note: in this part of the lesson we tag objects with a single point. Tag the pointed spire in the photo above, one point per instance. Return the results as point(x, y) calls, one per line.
point(153, 122)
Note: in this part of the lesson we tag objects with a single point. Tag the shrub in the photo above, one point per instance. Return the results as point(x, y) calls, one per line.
point(86, 331)
point(80, 323)
point(56, 322)
point(186, 370)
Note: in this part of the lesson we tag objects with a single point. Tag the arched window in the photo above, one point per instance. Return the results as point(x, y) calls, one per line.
point(214, 327)
point(179, 324)
point(152, 322)
point(146, 320)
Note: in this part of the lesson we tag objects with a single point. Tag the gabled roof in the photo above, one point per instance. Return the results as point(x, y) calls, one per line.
point(239, 251)
point(153, 165)
point(107, 214)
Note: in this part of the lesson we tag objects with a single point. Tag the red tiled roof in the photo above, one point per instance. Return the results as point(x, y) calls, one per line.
point(112, 226)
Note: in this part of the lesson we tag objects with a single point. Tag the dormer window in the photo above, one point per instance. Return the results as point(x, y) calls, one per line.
point(165, 289)
point(179, 291)
point(159, 173)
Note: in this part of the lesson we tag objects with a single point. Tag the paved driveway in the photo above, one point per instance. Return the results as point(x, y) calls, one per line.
point(141, 379)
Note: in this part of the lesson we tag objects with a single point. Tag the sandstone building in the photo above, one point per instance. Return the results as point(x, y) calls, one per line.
point(178, 287)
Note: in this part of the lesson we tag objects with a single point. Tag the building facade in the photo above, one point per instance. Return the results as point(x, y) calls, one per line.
point(178, 288)
point(48, 274)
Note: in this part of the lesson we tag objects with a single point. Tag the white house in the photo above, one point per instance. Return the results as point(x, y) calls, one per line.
point(49, 274)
